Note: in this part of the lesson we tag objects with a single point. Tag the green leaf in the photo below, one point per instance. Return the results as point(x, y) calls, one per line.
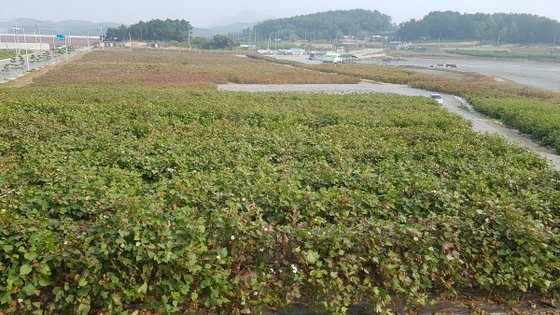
point(143, 288)
point(29, 289)
point(312, 257)
point(5, 298)
point(223, 253)
point(194, 296)
point(44, 281)
point(82, 282)
point(84, 308)
point(30, 256)
point(25, 270)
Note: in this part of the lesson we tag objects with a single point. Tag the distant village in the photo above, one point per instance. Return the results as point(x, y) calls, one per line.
point(337, 52)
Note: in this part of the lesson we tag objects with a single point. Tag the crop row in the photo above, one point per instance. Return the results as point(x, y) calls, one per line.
point(168, 199)
point(539, 119)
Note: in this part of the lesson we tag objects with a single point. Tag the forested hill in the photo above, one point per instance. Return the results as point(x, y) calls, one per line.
point(499, 28)
point(326, 25)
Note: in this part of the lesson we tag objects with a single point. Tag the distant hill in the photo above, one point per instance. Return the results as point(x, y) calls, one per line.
point(79, 27)
point(345, 22)
point(202, 32)
point(231, 24)
point(327, 25)
point(497, 28)
point(320, 25)
point(222, 30)
point(76, 27)
point(245, 17)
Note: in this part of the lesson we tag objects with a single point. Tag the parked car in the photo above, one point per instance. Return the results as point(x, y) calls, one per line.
point(437, 97)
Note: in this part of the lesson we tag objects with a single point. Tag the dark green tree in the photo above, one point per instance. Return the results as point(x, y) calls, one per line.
point(499, 28)
point(324, 25)
point(218, 42)
point(154, 30)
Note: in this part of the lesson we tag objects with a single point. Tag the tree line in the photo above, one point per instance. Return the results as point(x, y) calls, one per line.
point(178, 31)
point(498, 28)
point(154, 30)
point(325, 25)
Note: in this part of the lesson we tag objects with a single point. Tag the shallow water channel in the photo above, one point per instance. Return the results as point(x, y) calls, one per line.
point(543, 75)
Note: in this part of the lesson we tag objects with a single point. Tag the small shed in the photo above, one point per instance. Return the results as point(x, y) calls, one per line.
point(295, 51)
point(347, 58)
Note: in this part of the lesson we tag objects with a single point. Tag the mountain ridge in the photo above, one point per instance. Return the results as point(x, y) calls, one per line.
point(80, 27)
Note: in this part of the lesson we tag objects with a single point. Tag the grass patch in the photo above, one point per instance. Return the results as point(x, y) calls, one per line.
point(7, 53)
point(508, 54)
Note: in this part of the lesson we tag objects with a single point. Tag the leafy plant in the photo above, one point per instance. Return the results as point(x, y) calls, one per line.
point(169, 199)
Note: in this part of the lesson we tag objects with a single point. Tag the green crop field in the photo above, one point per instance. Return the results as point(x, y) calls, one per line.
point(137, 198)
point(530, 110)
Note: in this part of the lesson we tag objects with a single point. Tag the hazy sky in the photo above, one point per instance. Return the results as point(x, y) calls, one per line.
point(203, 12)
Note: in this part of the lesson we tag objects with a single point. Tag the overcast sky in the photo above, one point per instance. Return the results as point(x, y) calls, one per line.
point(204, 12)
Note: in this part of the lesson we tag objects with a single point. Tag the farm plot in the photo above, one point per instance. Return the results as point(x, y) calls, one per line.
point(173, 69)
point(168, 199)
point(530, 110)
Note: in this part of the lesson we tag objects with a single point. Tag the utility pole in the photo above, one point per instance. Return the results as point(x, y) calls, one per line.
point(40, 48)
point(53, 37)
point(88, 46)
point(6, 33)
point(67, 42)
point(17, 29)
point(189, 37)
point(40, 39)
point(16, 39)
point(26, 54)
